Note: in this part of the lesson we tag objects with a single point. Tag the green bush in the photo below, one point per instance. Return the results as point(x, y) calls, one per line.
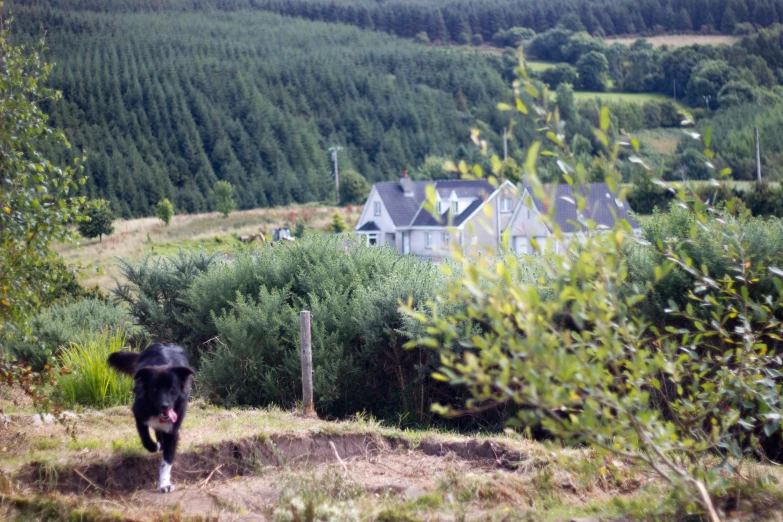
point(155, 288)
point(646, 196)
point(762, 239)
point(164, 211)
point(61, 324)
point(90, 381)
point(764, 200)
point(239, 320)
point(582, 361)
point(99, 220)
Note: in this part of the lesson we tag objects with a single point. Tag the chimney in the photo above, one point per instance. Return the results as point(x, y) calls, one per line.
point(406, 184)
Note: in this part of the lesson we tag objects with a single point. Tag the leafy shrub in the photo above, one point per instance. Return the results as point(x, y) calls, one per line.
point(90, 381)
point(224, 198)
point(99, 220)
point(586, 365)
point(675, 227)
point(155, 289)
point(561, 73)
point(164, 211)
point(513, 37)
point(353, 187)
point(646, 196)
point(764, 200)
point(239, 320)
point(62, 324)
point(652, 115)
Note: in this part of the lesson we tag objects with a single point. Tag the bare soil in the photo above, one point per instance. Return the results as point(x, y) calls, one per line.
point(242, 465)
point(275, 465)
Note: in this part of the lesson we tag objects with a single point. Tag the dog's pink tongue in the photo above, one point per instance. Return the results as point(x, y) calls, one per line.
point(172, 415)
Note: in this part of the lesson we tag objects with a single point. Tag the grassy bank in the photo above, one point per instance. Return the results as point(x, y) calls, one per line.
point(135, 238)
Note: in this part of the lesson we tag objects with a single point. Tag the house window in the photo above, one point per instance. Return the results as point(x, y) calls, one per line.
point(505, 205)
point(428, 240)
point(442, 206)
point(377, 208)
point(446, 239)
point(522, 245)
point(372, 239)
point(455, 207)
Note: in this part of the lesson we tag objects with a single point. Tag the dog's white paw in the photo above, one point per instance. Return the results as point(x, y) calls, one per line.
point(164, 479)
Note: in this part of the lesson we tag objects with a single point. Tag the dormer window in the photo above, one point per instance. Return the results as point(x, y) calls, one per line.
point(455, 207)
point(376, 208)
point(505, 205)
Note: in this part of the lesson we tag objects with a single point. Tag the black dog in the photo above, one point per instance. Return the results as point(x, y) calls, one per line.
point(162, 377)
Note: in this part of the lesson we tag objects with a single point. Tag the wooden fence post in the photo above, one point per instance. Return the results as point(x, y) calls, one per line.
point(307, 362)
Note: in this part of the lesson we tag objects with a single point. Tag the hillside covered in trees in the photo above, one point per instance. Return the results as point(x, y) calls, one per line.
point(462, 20)
point(167, 98)
point(167, 101)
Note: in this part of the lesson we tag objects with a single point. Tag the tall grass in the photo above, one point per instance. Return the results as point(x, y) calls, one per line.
point(91, 382)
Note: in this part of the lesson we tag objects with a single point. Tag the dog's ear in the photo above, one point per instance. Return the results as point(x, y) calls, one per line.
point(183, 372)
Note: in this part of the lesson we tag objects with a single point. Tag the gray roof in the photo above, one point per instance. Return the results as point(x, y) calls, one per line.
point(601, 206)
point(403, 210)
point(425, 219)
point(370, 226)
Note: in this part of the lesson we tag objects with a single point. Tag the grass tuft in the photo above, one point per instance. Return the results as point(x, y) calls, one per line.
point(91, 382)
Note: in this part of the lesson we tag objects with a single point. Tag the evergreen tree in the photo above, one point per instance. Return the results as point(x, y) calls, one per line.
point(684, 20)
point(436, 28)
point(338, 223)
point(729, 20)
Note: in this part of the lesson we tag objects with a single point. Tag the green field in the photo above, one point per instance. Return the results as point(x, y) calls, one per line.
point(627, 97)
point(540, 66)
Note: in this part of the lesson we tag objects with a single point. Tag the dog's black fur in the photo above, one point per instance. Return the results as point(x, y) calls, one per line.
point(162, 378)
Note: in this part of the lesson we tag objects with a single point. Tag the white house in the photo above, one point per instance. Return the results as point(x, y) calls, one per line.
point(394, 215)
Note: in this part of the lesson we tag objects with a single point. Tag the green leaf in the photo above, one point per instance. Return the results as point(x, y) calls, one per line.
point(604, 119)
point(521, 106)
point(532, 157)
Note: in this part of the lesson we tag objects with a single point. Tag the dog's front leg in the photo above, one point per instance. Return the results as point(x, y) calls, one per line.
point(144, 433)
point(169, 446)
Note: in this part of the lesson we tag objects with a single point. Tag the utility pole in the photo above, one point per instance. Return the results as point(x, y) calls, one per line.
point(758, 157)
point(334, 151)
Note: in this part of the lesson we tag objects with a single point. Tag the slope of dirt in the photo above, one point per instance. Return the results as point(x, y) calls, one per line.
point(245, 465)
point(275, 465)
point(250, 456)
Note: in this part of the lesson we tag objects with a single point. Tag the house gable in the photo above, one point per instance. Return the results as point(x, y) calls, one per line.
point(375, 211)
